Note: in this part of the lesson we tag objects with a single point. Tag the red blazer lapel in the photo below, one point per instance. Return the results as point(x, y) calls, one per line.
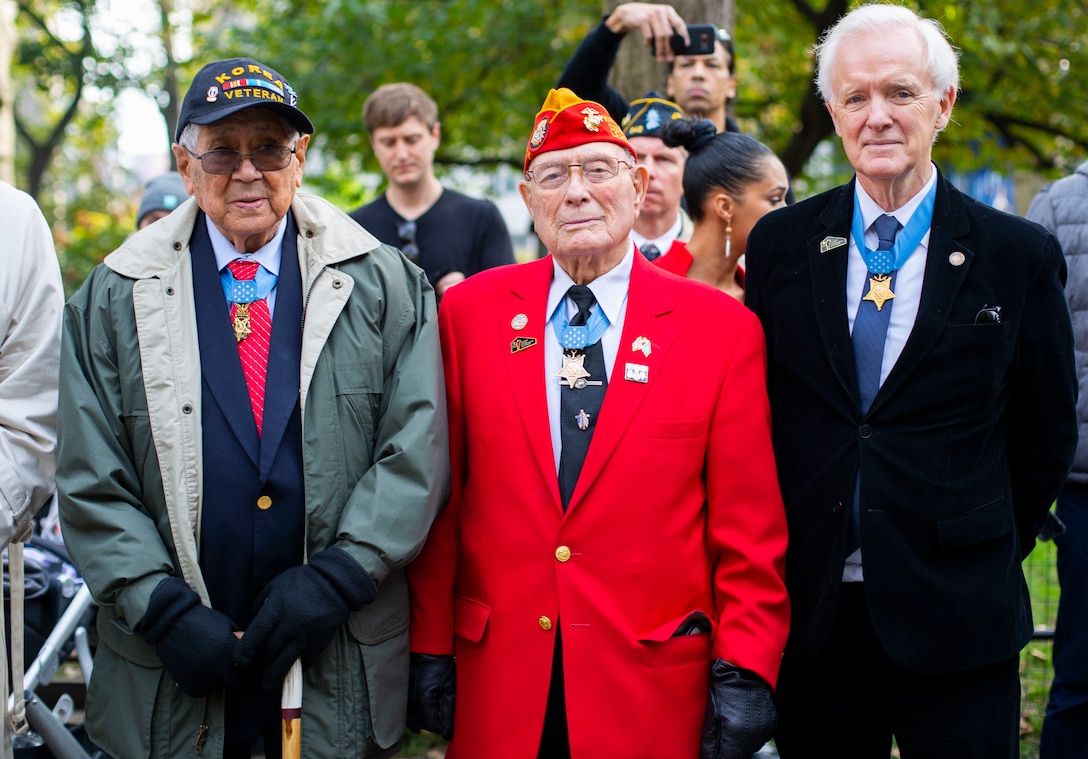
point(522, 325)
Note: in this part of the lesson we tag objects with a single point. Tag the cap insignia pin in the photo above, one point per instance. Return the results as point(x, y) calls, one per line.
point(593, 119)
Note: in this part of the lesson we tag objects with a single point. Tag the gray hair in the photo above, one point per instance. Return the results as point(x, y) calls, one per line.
point(942, 60)
point(190, 135)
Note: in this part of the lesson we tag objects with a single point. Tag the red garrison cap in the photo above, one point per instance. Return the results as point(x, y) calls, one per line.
point(566, 121)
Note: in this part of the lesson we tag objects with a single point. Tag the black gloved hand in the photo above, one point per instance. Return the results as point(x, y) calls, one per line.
point(195, 643)
point(740, 713)
point(432, 694)
point(298, 612)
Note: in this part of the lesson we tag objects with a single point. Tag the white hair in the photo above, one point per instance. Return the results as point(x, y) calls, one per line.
point(190, 135)
point(942, 60)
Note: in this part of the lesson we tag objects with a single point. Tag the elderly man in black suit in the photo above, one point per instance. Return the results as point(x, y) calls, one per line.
point(922, 384)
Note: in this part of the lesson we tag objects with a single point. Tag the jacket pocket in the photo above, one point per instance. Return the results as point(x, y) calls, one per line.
point(121, 701)
point(381, 630)
point(667, 428)
point(358, 397)
point(680, 642)
point(470, 619)
point(984, 523)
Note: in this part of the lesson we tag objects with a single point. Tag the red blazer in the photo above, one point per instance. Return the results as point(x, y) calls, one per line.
point(677, 514)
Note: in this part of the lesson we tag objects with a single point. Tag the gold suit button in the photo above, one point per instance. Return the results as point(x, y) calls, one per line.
point(264, 503)
point(545, 624)
point(562, 553)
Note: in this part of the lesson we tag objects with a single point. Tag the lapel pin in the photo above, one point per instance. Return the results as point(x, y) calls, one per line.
point(830, 243)
point(642, 344)
point(957, 258)
point(519, 344)
point(636, 373)
point(583, 420)
point(519, 322)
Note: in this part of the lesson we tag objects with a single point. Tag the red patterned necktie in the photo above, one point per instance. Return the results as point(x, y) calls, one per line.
point(253, 330)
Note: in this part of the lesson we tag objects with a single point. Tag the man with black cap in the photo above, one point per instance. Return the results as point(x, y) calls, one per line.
point(606, 578)
point(253, 447)
point(661, 220)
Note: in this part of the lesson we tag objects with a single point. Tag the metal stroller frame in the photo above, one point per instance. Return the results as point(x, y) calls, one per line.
point(50, 724)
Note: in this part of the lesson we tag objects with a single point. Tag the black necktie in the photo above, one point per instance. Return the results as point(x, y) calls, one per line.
point(869, 335)
point(579, 406)
point(650, 251)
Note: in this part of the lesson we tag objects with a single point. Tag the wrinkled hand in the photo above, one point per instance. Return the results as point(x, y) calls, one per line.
point(432, 693)
point(657, 22)
point(196, 643)
point(740, 713)
point(299, 611)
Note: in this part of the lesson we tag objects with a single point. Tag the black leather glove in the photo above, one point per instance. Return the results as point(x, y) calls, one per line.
point(432, 694)
point(740, 713)
point(298, 612)
point(195, 643)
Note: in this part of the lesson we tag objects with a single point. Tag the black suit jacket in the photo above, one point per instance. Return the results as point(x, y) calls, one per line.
point(963, 449)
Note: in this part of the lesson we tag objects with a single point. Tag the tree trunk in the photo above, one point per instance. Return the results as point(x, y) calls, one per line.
point(169, 102)
point(7, 91)
point(637, 71)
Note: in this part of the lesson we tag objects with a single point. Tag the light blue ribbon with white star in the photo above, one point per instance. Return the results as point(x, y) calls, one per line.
point(576, 338)
point(884, 261)
point(247, 290)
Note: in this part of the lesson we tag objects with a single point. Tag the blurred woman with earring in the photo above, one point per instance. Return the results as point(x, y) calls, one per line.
point(730, 181)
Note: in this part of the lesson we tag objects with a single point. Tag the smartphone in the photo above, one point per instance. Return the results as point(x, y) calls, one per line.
point(702, 38)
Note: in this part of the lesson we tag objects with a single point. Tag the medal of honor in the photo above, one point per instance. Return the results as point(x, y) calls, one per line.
point(879, 290)
point(573, 368)
point(241, 321)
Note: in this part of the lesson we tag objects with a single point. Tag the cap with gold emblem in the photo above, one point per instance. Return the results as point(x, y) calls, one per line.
point(647, 115)
point(566, 121)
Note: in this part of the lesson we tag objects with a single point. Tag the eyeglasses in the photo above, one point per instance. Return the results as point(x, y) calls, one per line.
point(407, 232)
point(225, 161)
point(551, 176)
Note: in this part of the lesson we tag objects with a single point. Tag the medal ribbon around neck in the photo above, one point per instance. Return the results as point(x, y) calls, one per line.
point(577, 338)
point(247, 290)
point(906, 242)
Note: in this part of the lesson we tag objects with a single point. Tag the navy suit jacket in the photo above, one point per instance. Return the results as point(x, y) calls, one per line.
point(243, 546)
point(964, 447)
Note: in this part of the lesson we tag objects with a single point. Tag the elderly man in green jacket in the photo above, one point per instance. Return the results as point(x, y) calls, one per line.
point(253, 447)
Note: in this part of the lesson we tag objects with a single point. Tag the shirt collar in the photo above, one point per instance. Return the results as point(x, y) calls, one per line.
point(267, 256)
point(665, 241)
point(870, 211)
point(610, 289)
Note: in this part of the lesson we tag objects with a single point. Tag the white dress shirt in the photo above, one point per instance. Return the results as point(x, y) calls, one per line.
point(610, 290)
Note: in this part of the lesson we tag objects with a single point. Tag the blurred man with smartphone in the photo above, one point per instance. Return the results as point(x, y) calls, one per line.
point(701, 78)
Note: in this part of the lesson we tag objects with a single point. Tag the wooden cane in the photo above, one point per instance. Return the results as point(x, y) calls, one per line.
point(291, 712)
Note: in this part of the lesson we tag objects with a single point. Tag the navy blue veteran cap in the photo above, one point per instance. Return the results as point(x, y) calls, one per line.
point(224, 87)
point(648, 114)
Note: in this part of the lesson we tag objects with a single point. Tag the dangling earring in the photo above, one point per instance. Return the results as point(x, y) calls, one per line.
point(728, 238)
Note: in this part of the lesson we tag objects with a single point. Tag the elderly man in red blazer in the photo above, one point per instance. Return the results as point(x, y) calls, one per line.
point(607, 577)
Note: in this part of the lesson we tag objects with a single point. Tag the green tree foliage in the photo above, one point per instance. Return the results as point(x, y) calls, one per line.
point(65, 150)
point(487, 63)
